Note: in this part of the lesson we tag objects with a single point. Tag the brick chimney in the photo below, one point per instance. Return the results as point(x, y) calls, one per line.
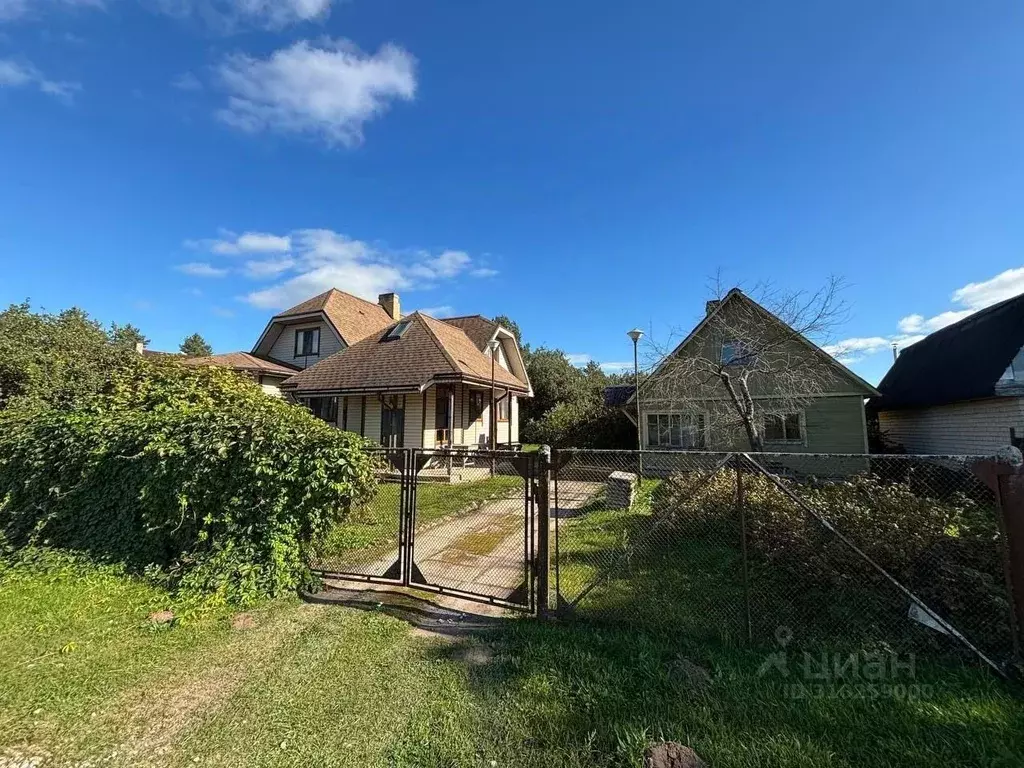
point(390, 303)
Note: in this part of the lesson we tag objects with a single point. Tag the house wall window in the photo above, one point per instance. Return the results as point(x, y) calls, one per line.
point(502, 407)
point(325, 408)
point(783, 428)
point(307, 342)
point(676, 430)
point(476, 405)
point(736, 352)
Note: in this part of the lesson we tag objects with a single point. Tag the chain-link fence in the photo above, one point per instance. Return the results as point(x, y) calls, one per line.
point(460, 523)
point(849, 552)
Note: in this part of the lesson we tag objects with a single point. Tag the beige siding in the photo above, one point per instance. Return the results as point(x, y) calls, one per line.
point(352, 418)
point(271, 384)
point(514, 416)
point(283, 347)
point(372, 428)
point(413, 437)
point(978, 427)
point(429, 426)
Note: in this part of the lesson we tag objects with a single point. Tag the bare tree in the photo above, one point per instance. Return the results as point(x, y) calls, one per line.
point(750, 359)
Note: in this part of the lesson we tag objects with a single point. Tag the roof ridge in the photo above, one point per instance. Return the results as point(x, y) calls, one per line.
point(437, 342)
point(465, 317)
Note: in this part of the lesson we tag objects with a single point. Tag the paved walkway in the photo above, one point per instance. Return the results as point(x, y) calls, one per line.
point(482, 552)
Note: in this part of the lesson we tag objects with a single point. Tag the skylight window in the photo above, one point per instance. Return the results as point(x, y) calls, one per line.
point(398, 331)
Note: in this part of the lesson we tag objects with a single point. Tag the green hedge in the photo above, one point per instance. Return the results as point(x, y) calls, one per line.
point(191, 474)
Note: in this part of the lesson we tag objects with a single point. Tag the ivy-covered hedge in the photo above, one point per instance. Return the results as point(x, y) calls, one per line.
point(192, 474)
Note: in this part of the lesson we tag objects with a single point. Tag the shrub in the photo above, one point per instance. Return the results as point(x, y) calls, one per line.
point(581, 425)
point(190, 473)
point(945, 549)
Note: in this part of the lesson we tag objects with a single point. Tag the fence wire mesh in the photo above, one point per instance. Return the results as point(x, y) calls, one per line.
point(899, 553)
point(458, 522)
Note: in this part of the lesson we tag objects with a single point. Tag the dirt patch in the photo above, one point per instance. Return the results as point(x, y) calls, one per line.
point(150, 718)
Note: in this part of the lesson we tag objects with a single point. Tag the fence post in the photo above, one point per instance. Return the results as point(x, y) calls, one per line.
point(1004, 474)
point(543, 555)
point(741, 510)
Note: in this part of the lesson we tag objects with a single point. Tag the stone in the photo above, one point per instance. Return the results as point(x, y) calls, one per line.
point(694, 675)
point(620, 490)
point(243, 621)
point(162, 617)
point(672, 754)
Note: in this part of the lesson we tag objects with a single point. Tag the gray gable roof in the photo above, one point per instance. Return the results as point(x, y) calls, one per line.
point(962, 361)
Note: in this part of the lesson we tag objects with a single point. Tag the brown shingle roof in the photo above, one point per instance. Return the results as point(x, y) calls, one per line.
point(478, 328)
point(429, 349)
point(352, 317)
point(241, 361)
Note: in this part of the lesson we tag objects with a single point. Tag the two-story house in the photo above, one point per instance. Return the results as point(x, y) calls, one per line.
point(405, 381)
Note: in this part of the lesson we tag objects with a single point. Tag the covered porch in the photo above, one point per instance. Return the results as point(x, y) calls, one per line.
point(449, 415)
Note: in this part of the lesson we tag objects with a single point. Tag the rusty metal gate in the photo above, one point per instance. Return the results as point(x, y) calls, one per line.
point(457, 523)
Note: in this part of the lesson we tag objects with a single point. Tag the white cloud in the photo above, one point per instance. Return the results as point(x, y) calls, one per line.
point(483, 272)
point(1003, 286)
point(329, 92)
point(616, 367)
point(187, 82)
point(365, 280)
point(15, 9)
point(579, 359)
point(201, 269)
point(276, 14)
point(222, 312)
point(310, 261)
point(268, 267)
point(248, 242)
point(25, 75)
point(446, 264)
point(914, 327)
point(442, 311)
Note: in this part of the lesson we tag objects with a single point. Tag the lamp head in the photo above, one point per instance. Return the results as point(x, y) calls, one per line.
point(636, 334)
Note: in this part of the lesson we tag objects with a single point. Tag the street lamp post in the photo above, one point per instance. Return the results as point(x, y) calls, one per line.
point(636, 334)
point(493, 419)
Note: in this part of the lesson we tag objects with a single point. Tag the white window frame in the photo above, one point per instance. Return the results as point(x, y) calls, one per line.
point(683, 429)
point(298, 348)
point(802, 440)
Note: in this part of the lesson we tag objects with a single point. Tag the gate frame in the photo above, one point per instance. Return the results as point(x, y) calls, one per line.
point(409, 462)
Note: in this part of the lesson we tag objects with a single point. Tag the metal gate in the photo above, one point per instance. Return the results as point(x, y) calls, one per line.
point(451, 522)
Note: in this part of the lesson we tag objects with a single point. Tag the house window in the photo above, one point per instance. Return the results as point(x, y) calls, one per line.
point(325, 408)
point(307, 342)
point(397, 331)
point(476, 405)
point(675, 430)
point(502, 406)
point(783, 428)
point(736, 352)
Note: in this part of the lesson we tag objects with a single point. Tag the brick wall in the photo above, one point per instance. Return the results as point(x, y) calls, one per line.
point(977, 427)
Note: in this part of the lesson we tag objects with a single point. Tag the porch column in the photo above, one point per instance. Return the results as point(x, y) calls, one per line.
point(451, 426)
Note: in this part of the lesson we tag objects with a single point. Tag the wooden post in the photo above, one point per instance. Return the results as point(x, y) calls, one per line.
point(543, 555)
point(1004, 474)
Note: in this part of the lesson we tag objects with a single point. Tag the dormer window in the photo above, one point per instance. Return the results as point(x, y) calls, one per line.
point(397, 331)
point(307, 342)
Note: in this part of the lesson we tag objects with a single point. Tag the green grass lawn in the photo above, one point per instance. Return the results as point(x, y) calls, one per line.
point(85, 678)
point(372, 529)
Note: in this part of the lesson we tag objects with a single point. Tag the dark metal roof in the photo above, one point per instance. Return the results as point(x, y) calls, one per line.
point(962, 361)
point(618, 394)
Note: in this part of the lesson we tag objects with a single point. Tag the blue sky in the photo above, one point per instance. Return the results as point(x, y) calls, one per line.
point(194, 165)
